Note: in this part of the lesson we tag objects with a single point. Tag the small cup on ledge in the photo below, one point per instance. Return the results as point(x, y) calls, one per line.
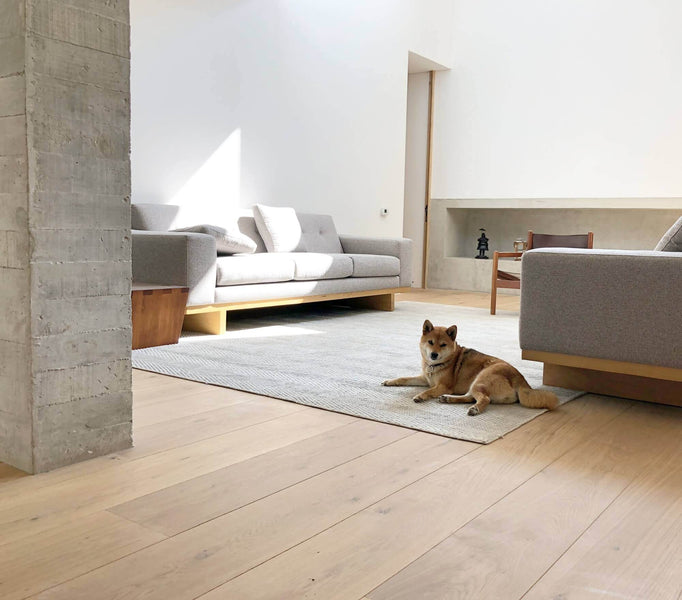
point(520, 246)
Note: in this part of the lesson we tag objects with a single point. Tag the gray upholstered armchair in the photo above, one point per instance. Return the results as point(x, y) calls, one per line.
point(607, 321)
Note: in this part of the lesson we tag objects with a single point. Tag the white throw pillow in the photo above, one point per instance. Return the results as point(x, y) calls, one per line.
point(279, 227)
point(227, 241)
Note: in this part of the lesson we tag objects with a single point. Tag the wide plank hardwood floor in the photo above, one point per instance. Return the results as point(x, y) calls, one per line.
point(229, 495)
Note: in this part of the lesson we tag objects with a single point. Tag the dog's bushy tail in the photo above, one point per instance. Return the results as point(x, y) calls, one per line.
point(537, 398)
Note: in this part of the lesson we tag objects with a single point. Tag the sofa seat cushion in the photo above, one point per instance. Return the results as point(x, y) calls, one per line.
point(254, 268)
point(374, 265)
point(315, 265)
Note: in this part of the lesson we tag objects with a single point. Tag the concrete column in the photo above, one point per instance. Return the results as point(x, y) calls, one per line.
point(65, 374)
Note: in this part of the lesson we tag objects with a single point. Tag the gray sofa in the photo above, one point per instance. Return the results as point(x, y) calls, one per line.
point(605, 321)
point(326, 266)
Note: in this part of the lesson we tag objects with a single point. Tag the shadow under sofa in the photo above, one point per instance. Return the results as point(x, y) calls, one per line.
point(365, 271)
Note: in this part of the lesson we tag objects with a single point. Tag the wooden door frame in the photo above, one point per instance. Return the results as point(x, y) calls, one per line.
point(427, 190)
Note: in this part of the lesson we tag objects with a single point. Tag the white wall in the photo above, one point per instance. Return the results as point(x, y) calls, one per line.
point(283, 102)
point(561, 99)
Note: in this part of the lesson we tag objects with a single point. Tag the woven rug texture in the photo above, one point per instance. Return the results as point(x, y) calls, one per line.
point(335, 358)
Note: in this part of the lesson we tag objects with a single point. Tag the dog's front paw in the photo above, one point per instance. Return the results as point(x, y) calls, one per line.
point(443, 399)
point(419, 398)
point(388, 382)
point(473, 411)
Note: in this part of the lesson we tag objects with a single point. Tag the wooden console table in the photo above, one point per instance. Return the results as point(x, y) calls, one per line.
point(158, 312)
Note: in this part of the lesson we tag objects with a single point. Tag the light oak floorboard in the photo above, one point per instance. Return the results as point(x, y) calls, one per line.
point(159, 389)
point(41, 561)
point(461, 298)
point(9, 473)
point(634, 549)
point(495, 556)
point(195, 561)
point(28, 485)
point(151, 439)
point(185, 431)
point(185, 404)
point(162, 436)
point(151, 388)
point(267, 499)
point(356, 555)
point(193, 502)
point(60, 504)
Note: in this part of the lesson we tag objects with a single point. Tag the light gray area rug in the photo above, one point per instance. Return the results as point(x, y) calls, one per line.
point(336, 358)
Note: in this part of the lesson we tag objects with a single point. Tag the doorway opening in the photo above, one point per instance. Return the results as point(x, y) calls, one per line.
point(421, 80)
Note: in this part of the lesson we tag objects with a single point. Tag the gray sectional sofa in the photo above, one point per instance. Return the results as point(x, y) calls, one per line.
point(607, 321)
point(322, 266)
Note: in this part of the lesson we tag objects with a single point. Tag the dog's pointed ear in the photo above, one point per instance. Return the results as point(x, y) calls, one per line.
point(452, 332)
point(428, 327)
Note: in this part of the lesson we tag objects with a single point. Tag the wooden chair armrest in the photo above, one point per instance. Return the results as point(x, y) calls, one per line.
point(508, 254)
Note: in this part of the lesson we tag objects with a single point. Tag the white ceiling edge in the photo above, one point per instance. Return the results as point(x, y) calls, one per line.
point(420, 64)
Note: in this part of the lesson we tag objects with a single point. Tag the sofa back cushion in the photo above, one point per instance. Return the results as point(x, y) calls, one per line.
point(154, 217)
point(672, 239)
point(284, 230)
point(319, 234)
point(279, 227)
point(165, 217)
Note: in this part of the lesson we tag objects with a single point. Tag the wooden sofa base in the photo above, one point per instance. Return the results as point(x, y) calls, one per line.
point(611, 378)
point(212, 318)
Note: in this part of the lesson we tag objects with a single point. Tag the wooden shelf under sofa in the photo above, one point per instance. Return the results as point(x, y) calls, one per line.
point(610, 377)
point(212, 318)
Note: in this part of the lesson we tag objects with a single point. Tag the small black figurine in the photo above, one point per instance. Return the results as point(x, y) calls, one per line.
point(482, 245)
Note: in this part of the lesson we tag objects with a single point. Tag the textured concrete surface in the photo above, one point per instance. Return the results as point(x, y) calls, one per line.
point(454, 231)
point(65, 375)
point(16, 432)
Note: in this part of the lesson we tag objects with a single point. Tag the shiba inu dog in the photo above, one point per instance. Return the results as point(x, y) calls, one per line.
point(456, 374)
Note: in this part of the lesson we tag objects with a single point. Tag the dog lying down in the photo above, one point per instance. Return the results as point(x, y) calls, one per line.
point(456, 374)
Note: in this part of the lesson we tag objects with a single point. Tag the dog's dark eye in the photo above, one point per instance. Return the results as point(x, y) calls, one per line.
point(430, 342)
point(443, 345)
